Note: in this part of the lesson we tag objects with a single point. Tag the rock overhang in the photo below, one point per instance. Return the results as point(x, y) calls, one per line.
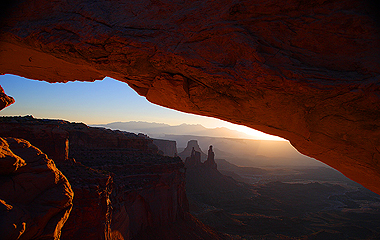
point(305, 71)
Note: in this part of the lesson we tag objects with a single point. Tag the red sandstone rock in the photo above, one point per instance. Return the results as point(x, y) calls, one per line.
point(84, 137)
point(91, 215)
point(5, 100)
point(35, 197)
point(159, 201)
point(148, 189)
point(50, 138)
point(53, 137)
point(9, 161)
point(307, 71)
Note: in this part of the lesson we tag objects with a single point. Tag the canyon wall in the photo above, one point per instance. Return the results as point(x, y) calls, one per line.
point(91, 215)
point(123, 188)
point(307, 71)
point(49, 138)
point(168, 147)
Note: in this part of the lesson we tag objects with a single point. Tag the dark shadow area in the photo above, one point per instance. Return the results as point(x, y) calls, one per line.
point(282, 202)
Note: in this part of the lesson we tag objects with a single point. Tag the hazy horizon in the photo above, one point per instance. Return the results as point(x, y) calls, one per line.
point(154, 129)
point(98, 103)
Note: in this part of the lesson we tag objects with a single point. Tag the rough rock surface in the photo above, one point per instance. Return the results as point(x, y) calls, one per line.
point(148, 195)
point(35, 197)
point(49, 138)
point(54, 137)
point(91, 215)
point(5, 100)
point(123, 188)
point(307, 71)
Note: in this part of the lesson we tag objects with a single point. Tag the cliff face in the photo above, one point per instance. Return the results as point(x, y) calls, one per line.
point(91, 215)
point(35, 197)
point(148, 190)
point(147, 200)
point(307, 71)
point(168, 147)
point(52, 136)
point(49, 138)
point(84, 137)
point(123, 188)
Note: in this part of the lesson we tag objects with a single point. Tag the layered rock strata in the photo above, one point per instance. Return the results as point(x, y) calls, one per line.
point(35, 197)
point(55, 137)
point(49, 138)
point(123, 188)
point(307, 71)
point(91, 215)
point(148, 192)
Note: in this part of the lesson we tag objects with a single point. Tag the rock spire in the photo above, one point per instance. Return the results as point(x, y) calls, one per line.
point(210, 162)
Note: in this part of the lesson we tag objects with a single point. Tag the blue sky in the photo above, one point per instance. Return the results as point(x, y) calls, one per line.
point(98, 102)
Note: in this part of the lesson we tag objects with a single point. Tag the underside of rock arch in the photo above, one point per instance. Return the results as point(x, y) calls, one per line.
point(307, 71)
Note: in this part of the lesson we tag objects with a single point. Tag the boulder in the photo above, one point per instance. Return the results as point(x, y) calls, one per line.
point(35, 197)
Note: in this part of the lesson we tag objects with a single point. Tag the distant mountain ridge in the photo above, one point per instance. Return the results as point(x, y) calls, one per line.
point(159, 129)
point(235, 146)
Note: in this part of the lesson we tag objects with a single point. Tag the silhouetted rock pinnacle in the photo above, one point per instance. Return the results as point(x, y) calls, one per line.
point(194, 160)
point(210, 162)
point(192, 144)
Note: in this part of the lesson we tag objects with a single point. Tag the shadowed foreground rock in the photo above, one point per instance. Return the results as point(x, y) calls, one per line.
point(35, 197)
point(307, 71)
point(123, 188)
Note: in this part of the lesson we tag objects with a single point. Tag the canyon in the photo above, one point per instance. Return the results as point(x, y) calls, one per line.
point(285, 202)
point(307, 71)
point(121, 187)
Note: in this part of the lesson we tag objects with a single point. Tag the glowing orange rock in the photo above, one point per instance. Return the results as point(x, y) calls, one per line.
point(5, 100)
point(307, 71)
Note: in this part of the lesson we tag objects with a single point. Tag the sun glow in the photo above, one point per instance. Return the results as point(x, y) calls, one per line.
point(100, 102)
point(255, 133)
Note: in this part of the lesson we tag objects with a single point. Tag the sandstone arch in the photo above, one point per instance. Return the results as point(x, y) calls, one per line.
point(307, 71)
